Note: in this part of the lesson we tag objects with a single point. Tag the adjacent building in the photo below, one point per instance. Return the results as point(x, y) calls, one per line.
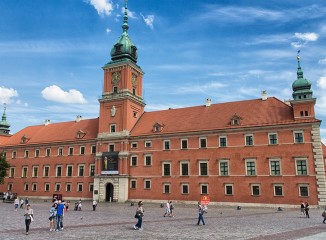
point(258, 151)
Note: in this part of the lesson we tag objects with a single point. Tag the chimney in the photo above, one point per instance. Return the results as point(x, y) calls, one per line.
point(264, 95)
point(79, 118)
point(208, 102)
point(47, 122)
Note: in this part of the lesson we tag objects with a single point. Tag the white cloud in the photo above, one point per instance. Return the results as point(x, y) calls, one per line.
point(204, 88)
point(108, 30)
point(6, 94)
point(149, 20)
point(322, 61)
point(56, 94)
point(131, 14)
point(322, 82)
point(103, 7)
point(308, 37)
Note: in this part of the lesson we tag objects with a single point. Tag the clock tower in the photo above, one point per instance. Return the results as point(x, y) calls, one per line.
point(121, 105)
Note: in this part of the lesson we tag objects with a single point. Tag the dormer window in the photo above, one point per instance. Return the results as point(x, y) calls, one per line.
point(80, 134)
point(235, 120)
point(158, 127)
point(24, 139)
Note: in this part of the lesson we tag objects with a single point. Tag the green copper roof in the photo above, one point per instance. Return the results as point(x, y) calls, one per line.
point(124, 48)
point(4, 125)
point(301, 87)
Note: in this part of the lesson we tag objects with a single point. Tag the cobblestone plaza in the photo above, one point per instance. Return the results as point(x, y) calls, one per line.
point(116, 220)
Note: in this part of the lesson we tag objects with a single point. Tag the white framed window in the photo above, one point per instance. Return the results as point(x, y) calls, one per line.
point(184, 168)
point(60, 151)
point(148, 144)
point(26, 154)
point(35, 171)
point(79, 187)
point(184, 143)
point(298, 137)
point(133, 160)
point(26, 187)
point(82, 150)
point(303, 190)
point(14, 154)
point(223, 167)
point(228, 189)
point(250, 167)
point(134, 145)
point(47, 187)
point(34, 187)
point(92, 170)
point(69, 170)
point(249, 139)
point(203, 188)
point(278, 190)
point(301, 166)
point(113, 128)
point(58, 171)
point(68, 187)
point(57, 187)
point(255, 189)
point(147, 160)
point(48, 152)
point(71, 151)
point(9, 187)
point(203, 142)
point(37, 152)
point(222, 141)
point(12, 172)
point(91, 187)
point(81, 170)
point(166, 144)
point(272, 138)
point(166, 188)
point(24, 172)
point(133, 183)
point(203, 168)
point(93, 149)
point(46, 171)
point(111, 147)
point(147, 184)
point(185, 188)
point(275, 167)
point(166, 169)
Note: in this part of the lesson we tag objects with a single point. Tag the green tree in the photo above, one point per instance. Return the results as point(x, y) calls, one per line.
point(4, 166)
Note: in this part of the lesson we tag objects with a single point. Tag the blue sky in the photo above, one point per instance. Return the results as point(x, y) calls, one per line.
point(51, 53)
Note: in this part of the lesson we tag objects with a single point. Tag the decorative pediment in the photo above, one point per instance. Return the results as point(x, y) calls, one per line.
point(134, 80)
point(116, 77)
point(80, 134)
point(235, 120)
point(158, 127)
point(24, 139)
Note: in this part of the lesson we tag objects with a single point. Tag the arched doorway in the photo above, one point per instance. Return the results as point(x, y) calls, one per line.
point(109, 192)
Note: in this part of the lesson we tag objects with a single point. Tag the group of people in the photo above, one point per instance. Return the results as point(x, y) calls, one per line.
point(168, 209)
point(57, 211)
point(304, 207)
point(20, 202)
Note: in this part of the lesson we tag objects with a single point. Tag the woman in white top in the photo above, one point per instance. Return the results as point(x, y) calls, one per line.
point(28, 217)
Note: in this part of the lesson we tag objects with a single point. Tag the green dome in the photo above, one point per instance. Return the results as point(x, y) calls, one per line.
point(301, 87)
point(124, 48)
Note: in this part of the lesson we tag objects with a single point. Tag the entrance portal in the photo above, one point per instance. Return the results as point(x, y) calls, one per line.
point(109, 192)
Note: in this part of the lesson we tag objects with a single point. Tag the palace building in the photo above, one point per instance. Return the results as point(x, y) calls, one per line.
point(258, 151)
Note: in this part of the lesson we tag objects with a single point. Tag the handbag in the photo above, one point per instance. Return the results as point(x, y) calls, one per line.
point(32, 219)
point(137, 215)
point(323, 214)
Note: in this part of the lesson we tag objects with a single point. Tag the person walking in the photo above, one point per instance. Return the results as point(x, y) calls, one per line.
point(94, 205)
point(21, 203)
point(26, 201)
point(139, 215)
point(53, 213)
point(201, 213)
point(59, 216)
point(28, 217)
point(16, 203)
point(306, 208)
point(302, 208)
point(171, 209)
point(167, 209)
point(324, 215)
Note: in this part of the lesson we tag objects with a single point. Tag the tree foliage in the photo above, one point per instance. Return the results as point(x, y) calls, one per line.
point(4, 166)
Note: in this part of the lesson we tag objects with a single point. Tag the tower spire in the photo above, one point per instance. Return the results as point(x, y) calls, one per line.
point(299, 71)
point(4, 125)
point(125, 26)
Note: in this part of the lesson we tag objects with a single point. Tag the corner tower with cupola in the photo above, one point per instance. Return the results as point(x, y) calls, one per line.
point(4, 125)
point(121, 105)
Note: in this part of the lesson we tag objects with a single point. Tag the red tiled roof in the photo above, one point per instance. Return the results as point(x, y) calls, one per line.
point(218, 116)
point(55, 132)
point(4, 139)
